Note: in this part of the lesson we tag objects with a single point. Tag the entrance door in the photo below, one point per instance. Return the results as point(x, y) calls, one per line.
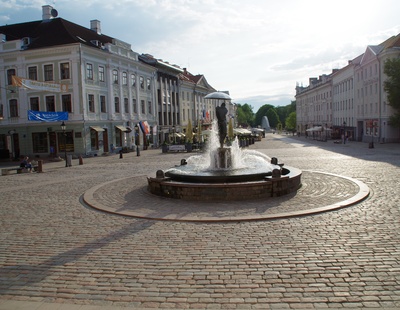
point(15, 141)
point(53, 144)
point(105, 140)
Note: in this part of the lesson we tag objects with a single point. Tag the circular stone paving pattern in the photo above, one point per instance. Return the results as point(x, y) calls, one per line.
point(320, 192)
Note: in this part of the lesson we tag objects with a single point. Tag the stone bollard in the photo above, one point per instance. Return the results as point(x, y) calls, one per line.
point(40, 166)
point(69, 160)
point(80, 160)
point(160, 174)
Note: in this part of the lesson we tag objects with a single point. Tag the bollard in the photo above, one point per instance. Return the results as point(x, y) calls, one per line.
point(40, 166)
point(137, 150)
point(80, 160)
point(120, 154)
point(69, 160)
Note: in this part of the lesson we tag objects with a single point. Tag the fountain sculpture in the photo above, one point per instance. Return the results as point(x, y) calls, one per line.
point(224, 173)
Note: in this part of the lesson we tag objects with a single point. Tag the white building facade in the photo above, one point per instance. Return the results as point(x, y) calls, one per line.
point(107, 91)
point(357, 108)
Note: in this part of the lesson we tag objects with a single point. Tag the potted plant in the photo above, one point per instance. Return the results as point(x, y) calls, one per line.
point(164, 147)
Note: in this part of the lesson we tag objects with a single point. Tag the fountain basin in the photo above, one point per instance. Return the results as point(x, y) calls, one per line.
point(225, 186)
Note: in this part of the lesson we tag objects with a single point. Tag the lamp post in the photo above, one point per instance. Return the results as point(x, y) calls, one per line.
point(137, 140)
point(63, 128)
point(344, 132)
point(173, 129)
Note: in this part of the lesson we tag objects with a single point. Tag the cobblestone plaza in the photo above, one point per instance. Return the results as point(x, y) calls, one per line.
point(56, 252)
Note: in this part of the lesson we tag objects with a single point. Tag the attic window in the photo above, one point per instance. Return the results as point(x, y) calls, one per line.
point(84, 41)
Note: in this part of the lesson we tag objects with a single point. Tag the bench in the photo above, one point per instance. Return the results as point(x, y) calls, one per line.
point(6, 171)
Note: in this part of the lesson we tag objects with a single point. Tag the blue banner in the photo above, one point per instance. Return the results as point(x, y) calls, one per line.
point(47, 116)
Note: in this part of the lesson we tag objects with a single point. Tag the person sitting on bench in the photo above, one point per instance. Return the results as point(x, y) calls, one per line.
point(25, 163)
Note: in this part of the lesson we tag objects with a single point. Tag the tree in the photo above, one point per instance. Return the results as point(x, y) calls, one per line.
point(392, 88)
point(245, 115)
point(291, 122)
point(262, 112)
point(273, 117)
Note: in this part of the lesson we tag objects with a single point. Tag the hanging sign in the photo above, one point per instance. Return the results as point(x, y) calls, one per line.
point(37, 85)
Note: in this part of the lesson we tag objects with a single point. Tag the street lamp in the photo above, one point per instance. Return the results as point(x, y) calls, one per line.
point(173, 129)
point(137, 140)
point(63, 128)
point(344, 132)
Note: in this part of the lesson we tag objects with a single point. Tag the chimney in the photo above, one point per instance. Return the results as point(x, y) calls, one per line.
point(46, 12)
point(95, 26)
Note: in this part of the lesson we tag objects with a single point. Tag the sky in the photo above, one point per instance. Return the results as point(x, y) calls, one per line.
point(258, 50)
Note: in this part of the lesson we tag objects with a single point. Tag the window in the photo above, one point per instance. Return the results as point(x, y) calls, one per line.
point(103, 104)
point(115, 76)
point(64, 71)
point(13, 108)
point(10, 73)
point(89, 71)
point(91, 103)
point(126, 105)
point(148, 84)
point(149, 103)
point(50, 104)
point(133, 80)
point(66, 103)
point(32, 73)
point(141, 82)
point(134, 106)
point(101, 74)
point(143, 106)
point(48, 73)
point(116, 104)
point(39, 141)
point(34, 103)
point(124, 78)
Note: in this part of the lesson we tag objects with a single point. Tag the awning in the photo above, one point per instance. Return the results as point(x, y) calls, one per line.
point(241, 131)
point(122, 128)
point(97, 128)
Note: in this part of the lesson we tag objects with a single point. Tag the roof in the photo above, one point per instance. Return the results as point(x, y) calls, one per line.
point(52, 32)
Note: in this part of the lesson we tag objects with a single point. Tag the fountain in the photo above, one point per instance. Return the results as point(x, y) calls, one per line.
point(224, 173)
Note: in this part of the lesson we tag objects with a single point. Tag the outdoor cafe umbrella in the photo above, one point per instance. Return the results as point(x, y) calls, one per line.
point(218, 95)
point(189, 131)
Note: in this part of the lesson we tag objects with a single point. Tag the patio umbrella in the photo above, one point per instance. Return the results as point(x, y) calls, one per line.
point(189, 131)
point(230, 130)
point(218, 95)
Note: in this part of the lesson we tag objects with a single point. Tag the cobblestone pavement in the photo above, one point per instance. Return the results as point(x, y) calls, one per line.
point(57, 252)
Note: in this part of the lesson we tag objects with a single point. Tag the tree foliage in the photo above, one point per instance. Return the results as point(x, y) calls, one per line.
point(392, 88)
point(262, 112)
point(245, 115)
point(273, 117)
point(280, 115)
point(291, 121)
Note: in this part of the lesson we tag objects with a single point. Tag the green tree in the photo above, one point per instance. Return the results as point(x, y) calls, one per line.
point(262, 112)
point(273, 117)
point(392, 88)
point(291, 122)
point(245, 115)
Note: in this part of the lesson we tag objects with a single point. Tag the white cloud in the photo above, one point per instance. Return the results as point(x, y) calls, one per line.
point(256, 49)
